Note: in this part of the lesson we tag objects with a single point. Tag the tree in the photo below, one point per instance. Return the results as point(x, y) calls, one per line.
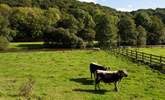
point(143, 19)
point(157, 31)
point(5, 10)
point(106, 31)
point(61, 37)
point(127, 31)
point(84, 18)
point(4, 34)
point(23, 3)
point(141, 36)
point(3, 43)
point(52, 16)
point(87, 34)
point(29, 23)
point(69, 22)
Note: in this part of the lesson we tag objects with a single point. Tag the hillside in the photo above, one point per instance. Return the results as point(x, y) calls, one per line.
point(73, 24)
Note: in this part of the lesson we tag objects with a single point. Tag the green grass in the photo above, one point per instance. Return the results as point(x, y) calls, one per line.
point(26, 45)
point(155, 51)
point(64, 75)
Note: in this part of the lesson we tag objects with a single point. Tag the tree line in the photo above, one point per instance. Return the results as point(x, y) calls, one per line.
point(73, 24)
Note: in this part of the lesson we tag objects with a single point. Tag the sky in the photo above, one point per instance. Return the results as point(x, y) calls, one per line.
point(130, 5)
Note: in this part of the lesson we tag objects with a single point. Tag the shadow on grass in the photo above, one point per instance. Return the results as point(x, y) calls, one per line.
point(102, 92)
point(159, 68)
point(84, 81)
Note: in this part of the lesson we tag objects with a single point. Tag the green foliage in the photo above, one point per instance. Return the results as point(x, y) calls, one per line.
point(87, 34)
point(17, 2)
point(127, 30)
point(3, 43)
point(85, 20)
point(5, 10)
point(61, 37)
point(4, 33)
point(157, 31)
point(29, 20)
point(143, 19)
point(106, 31)
point(52, 16)
point(160, 12)
point(3, 26)
point(69, 22)
point(141, 36)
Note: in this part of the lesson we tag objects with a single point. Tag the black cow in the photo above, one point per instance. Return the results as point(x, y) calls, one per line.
point(94, 67)
point(109, 77)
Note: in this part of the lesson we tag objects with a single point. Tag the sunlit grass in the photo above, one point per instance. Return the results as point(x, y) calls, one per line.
point(64, 75)
point(155, 51)
point(25, 45)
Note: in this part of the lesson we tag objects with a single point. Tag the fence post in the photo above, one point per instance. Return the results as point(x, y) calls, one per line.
point(150, 59)
point(136, 55)
point(118, 50)
point(160, 60)
point(142, 56)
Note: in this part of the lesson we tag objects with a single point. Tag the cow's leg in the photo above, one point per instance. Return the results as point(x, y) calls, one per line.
point(91, 75)
point(95, 86)
point(115, 86)
point(97, 82)
point(94, 74)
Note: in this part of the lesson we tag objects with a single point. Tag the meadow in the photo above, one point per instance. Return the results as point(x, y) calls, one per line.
point(155, 51)
point(26, 45)
point(64, 75)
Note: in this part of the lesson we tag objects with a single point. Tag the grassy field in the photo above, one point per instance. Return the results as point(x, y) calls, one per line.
point(155, 51)
point(64, 75)
point(26, 45)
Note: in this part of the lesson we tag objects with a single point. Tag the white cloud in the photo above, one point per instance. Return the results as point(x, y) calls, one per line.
point(94, 1)
point(125, 9)
point(129, 8)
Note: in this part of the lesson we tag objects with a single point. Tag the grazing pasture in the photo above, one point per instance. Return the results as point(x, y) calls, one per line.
point(65, 75)
point(155, 51)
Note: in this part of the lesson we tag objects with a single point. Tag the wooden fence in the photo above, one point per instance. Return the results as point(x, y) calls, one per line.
point(149, 59)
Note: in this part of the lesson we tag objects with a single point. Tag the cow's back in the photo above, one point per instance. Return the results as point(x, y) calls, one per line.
point(110, 77)
point(94, 67)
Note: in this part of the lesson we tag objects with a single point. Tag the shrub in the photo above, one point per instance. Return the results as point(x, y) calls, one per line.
point(3, 43)
point(61, 37)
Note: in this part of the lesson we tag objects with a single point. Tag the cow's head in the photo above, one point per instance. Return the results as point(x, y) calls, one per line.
point(122, 73)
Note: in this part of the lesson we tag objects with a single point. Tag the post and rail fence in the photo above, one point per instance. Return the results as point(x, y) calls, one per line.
point(149, 59)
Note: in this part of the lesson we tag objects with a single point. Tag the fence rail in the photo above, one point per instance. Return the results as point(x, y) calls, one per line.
point(141, 56)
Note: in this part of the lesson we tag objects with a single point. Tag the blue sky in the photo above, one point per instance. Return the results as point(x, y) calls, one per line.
point(129, 5)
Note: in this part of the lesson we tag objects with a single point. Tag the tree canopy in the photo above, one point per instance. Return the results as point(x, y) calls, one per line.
point(70, 23)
